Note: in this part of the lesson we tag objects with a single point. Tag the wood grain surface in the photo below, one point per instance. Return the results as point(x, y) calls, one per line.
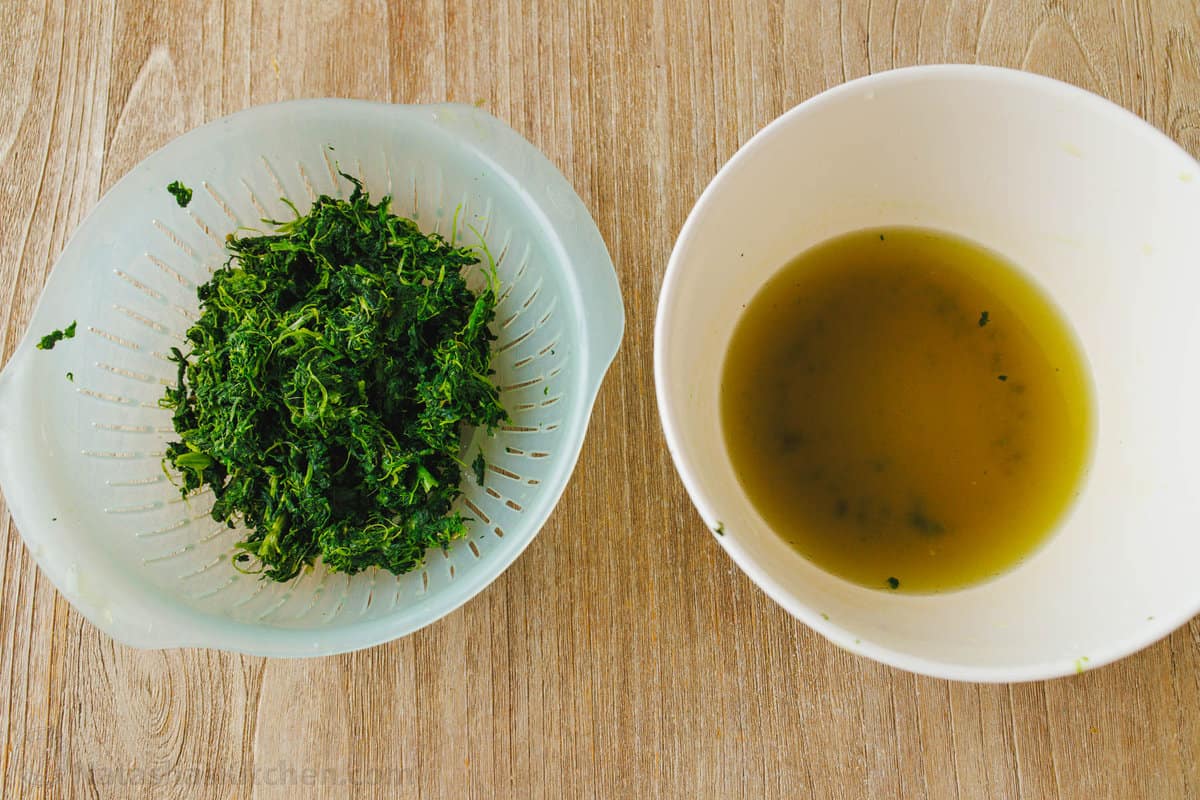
point(623, 656)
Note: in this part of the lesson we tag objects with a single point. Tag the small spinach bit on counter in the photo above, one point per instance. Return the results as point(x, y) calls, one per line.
point(52, 338)
point(331, 373)
point(720, 529)
point(893, 583)
point(983, 319)
point(71, 377)
point(181, 193)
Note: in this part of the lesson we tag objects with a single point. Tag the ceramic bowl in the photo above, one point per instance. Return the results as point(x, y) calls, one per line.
point(1101, 211)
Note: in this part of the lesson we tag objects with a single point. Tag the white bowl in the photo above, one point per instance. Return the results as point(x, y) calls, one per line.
point(1103, 212)
point(80, 461)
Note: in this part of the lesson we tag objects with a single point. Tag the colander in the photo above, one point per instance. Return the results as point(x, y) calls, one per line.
point(81, 460)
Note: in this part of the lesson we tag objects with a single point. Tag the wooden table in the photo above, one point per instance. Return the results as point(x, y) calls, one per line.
point(623, 655)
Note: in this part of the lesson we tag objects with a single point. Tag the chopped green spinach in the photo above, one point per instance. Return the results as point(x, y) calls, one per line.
point(331, 373)
point(52, 338)
point(181, 193)
point(478, 466)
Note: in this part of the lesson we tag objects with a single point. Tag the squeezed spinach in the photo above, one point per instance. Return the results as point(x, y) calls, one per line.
point(326, 386)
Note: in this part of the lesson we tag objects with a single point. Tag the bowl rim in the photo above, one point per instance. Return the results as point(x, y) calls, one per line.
point(1152, 631)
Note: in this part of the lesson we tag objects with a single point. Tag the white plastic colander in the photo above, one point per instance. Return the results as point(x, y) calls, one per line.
point(81, 462)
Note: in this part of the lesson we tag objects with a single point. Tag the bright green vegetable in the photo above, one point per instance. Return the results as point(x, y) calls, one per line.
point(181, 193)
point(332, 370)
point(52, 338)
